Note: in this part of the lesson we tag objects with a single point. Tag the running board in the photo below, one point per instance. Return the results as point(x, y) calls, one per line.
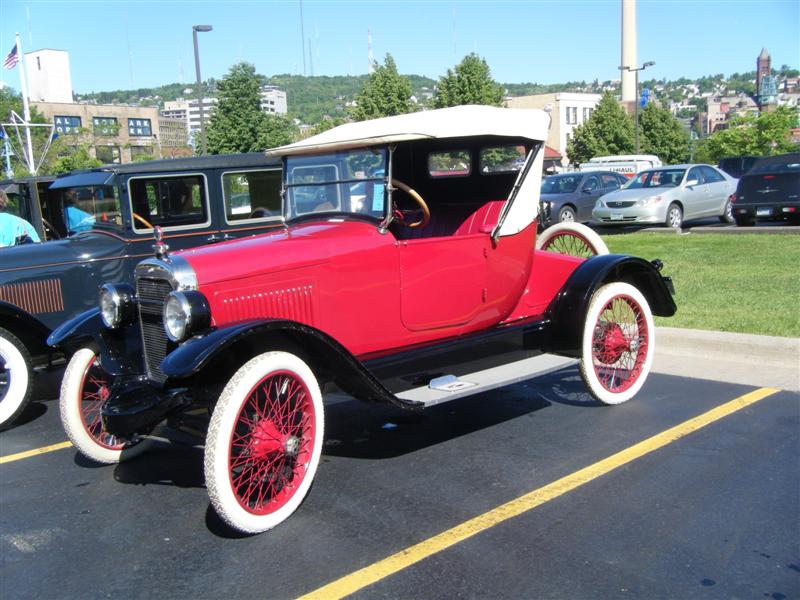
point(450, 387)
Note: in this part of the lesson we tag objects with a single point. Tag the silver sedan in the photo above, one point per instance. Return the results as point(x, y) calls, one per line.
point(670, 196)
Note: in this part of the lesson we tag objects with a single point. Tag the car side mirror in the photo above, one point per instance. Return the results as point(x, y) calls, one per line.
point(691, 182)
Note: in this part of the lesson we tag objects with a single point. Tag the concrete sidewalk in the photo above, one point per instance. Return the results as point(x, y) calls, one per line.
point(733, 357)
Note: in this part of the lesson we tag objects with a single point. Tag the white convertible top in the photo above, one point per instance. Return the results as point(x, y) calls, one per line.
point(455, 122)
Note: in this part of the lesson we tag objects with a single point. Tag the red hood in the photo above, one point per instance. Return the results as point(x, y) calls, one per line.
point(303, 245)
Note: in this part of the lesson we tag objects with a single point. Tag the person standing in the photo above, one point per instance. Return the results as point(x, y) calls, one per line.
point(13, 229)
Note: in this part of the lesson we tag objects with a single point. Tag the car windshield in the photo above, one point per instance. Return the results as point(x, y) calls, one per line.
point(774, 165)
point(560, 184)
point(659, 178)
point(91, 208)
point(342, 182)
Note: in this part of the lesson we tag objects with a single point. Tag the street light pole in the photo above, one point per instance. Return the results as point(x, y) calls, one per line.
point(201, 29)
point(636, 70)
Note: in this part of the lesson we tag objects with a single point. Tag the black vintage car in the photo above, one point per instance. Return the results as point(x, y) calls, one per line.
point(31, 199)
point(769, 191)
point(106, 219)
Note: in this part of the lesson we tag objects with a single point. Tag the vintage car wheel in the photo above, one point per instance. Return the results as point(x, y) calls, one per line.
point(264, 442)
point(573, 239)
point(674, 216)
point(618, 343)
point(15, 377)
point(83, 393)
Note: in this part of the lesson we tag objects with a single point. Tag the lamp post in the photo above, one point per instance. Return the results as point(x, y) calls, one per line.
point(636, 70)
point(201, 29)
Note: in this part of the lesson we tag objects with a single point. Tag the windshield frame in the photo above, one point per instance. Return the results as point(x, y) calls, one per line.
point(637, 182)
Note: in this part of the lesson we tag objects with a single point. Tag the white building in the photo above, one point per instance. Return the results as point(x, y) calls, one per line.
point(49, 78)
point(273, 100)
point(567, 111)
point(188, 110)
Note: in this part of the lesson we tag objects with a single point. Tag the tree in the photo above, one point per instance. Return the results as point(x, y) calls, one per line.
point(608, 131)
point(470, 83)
point(238, 123)
point(77, 158)
point(661, 134)
point(277, 130)
point(751, 135)
point(385, 93)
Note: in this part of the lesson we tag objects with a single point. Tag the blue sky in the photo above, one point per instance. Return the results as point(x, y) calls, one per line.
point(119, 45)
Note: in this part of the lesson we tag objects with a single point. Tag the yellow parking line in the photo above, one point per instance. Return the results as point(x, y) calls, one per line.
point(360, 579)
point(34, 452)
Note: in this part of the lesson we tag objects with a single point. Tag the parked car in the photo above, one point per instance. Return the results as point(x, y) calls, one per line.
point(30, 198)
point(427, 292)
point(569, 197)
point(106, 218)
point(736, 166)
point(670, 196)
point(769, 191)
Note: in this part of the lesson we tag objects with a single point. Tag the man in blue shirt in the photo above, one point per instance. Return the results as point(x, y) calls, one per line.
point(77, 219)
point(13, 229)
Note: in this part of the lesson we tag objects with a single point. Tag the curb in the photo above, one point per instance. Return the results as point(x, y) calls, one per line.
point(733, 357)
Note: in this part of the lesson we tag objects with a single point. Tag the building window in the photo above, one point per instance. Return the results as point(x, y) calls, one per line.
point(105, 125)
point(137, 151)
point(107, 154)
point(572, 115)
point(139, 127)
point(587, 113)
point(67, 125)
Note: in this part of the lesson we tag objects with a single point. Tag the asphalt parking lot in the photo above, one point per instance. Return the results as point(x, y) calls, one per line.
point(710, 509)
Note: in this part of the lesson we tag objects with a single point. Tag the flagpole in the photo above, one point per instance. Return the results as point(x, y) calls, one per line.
point(26, 111)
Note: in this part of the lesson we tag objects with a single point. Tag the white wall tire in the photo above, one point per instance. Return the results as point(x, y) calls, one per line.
point(84, 390)
point(15, 378)
point(260, 461)
point(574, 239)
point(618, 343)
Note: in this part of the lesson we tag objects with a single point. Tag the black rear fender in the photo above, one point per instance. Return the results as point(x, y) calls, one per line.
point(120, 350)
point(568, 309)
point(213, 358)
point(25, 327)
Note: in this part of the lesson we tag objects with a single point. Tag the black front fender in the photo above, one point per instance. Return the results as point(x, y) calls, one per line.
point(254, 337)
point(120, 351)
point(569, 307)
point(30, 330)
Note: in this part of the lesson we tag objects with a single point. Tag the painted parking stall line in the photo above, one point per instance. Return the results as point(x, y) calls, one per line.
point(34, 452)
point(377, 571)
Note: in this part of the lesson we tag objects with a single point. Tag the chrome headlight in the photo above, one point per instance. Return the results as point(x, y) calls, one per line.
point(649, 201)
point(117, 305)
point(185, 313)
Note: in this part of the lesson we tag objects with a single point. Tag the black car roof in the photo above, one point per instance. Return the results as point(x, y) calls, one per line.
point(211, 161)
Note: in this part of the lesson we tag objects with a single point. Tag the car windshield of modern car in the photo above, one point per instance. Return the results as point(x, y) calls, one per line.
point(349, 182)
point(91, 208)
point(560, 184)
point(654, 179)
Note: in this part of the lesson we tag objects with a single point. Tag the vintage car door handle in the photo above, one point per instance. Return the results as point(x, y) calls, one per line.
point(219, 238)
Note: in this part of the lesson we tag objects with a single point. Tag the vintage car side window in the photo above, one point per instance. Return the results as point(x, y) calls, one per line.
point(91, 208)
point(168, 201)
point(502, 159)
point(457, 163)
point(252, 194)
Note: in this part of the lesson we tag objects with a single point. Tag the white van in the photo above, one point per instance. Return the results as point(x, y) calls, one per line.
point(624, 164)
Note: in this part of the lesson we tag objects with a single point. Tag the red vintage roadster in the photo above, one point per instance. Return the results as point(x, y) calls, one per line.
point(405, 273)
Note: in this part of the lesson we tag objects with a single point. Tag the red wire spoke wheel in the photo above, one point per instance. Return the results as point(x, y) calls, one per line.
point(264, 442)
point(573, 239)
point(618, 343)
point(84, 392)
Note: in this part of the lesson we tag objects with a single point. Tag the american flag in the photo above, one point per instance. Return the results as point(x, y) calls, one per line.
point(12, 59)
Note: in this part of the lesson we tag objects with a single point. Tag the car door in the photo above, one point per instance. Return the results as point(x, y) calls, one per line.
point(695, 196)
point(718, 191)
point(590, 190)
point(178, 203)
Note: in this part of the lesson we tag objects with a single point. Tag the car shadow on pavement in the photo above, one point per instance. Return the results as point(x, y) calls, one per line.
point(164, 464)
point(354, 429)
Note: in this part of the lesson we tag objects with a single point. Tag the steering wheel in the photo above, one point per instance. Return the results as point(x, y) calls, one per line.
point(52, 230)
point(143, 221)
point(401, 215)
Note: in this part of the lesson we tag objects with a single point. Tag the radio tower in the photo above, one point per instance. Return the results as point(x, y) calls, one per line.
point(370, 56)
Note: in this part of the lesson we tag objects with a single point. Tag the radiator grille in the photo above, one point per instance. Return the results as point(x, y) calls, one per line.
point(151, 294)
point(620, 204)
